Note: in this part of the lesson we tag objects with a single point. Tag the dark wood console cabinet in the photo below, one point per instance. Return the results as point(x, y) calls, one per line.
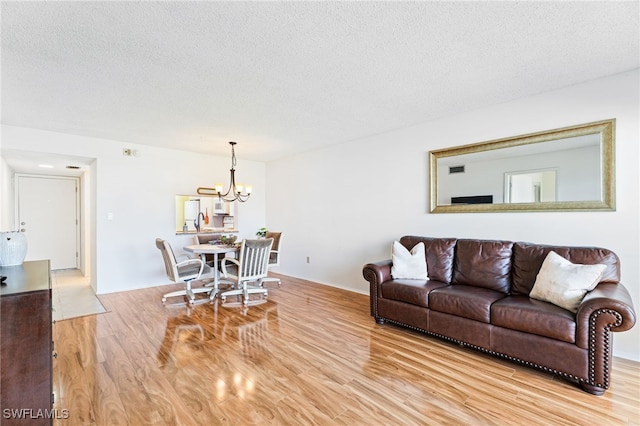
point(26, 345)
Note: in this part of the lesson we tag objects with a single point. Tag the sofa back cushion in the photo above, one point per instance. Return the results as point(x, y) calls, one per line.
point(483, 263)
point(439, 253)
point(528, 258)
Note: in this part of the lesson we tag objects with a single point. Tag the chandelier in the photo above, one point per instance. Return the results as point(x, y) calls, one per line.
point(236, 191)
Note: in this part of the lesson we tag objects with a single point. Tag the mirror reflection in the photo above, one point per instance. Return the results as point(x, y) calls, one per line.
point(530, 187)
point(198, 213)
point(562, 169)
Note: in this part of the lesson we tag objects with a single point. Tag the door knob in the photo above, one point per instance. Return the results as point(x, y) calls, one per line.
point(22, 223)
point(23, 230)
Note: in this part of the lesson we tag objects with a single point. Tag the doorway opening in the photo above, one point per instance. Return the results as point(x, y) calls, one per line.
point(532, 186)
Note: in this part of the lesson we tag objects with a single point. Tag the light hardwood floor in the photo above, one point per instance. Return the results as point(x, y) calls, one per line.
point(310, 355)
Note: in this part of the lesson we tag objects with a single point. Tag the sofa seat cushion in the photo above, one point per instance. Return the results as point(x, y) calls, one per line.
point(532, 316)
point(465, 301)
point(415, 292)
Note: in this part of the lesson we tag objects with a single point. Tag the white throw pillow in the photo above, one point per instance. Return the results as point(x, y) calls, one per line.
point(564, 283)
point(410, 265)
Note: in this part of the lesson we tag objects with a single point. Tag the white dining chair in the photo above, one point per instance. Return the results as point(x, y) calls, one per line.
point(250, 267)
point(185, 271)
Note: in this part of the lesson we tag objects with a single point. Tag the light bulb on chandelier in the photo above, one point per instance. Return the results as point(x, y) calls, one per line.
point(235, 192)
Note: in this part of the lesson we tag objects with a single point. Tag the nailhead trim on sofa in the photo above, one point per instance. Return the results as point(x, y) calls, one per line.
point(607, 347)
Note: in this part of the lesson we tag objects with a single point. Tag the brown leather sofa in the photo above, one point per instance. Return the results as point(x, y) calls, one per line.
point(477, 295)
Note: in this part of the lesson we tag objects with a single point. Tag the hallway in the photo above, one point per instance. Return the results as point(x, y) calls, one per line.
point(72, 295)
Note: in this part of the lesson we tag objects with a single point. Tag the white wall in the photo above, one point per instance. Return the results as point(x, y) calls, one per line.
point(343, 206)
point(139, 192)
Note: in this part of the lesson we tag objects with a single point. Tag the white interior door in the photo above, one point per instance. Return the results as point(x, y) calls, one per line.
point(47, 211)
point(530, 187)
point(522, 188)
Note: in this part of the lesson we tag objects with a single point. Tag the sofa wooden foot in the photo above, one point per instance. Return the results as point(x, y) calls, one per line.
point(380, 320)
point(595, 390)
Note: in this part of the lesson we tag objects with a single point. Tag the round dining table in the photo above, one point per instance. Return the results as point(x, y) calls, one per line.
point(215, 250)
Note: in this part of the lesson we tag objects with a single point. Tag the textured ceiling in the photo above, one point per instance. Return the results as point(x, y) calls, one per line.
point(288, 77)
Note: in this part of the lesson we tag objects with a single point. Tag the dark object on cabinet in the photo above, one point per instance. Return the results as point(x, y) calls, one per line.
point(26, 345)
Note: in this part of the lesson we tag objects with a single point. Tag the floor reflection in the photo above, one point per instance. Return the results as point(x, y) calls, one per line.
point(183, 335)
point(230, 341)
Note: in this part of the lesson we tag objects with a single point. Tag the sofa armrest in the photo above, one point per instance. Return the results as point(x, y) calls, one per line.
point(611, 299)
point(605, 309)
point(376, 273)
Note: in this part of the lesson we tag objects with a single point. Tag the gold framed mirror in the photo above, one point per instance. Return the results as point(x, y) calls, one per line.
point(567, 169)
